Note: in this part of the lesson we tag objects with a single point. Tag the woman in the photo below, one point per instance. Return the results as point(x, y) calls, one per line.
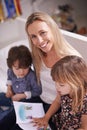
point(47, 46)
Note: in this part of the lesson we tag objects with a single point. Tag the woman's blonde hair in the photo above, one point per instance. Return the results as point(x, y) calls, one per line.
point(72, 70)
point(62, 47)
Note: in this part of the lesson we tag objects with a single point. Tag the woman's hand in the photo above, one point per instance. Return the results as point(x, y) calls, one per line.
point(40, 122)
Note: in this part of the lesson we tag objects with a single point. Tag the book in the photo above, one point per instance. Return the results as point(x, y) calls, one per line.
point(17, 7)
point(1, 12)
point(25, 112)
point(10, 8)
point(4, 9)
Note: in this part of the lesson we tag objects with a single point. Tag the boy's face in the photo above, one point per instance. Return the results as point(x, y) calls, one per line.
point(63, 88)
point(19, 72)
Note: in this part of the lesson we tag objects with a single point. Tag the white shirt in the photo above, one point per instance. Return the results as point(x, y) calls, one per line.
point(49, 92)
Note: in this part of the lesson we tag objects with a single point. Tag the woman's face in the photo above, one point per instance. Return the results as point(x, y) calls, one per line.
point(41, 36)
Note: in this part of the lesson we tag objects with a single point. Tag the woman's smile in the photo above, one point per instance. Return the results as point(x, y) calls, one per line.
point(43, 45)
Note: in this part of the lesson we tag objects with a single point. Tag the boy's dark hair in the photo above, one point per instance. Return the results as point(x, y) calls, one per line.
point(20, 53)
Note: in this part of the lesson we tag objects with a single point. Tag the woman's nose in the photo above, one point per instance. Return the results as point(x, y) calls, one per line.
point(39, 39)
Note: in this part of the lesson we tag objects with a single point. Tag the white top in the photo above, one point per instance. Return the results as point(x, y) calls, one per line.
point(48, 85)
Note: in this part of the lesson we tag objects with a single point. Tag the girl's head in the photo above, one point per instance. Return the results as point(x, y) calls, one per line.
point(70, 75)
point(19, 60)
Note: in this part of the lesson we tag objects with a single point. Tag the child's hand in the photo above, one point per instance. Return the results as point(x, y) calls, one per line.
point(18, 97)
point(9, 94)
point(40, 122)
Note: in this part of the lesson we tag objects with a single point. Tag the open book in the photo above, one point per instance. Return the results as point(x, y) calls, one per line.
point(25, 112)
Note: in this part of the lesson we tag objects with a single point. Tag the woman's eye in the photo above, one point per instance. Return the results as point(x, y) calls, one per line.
point(33, 36)
point(43, 33)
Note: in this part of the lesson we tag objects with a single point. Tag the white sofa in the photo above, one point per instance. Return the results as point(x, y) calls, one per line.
point(77, 41)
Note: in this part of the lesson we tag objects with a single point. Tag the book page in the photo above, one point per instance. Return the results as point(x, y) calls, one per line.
point(25, 112)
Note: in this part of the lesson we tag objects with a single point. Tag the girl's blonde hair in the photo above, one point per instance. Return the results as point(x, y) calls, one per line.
point(62, 47)
point(72, 70)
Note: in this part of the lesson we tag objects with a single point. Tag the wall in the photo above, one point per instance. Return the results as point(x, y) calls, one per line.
point(49, 6)
point(12, 30)
point(79, 42)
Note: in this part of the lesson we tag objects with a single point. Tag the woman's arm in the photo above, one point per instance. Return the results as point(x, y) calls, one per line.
point(43, 122)
point(53, 108)
point(83, 123)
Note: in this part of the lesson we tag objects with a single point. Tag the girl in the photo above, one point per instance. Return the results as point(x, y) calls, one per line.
point(70, 76)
